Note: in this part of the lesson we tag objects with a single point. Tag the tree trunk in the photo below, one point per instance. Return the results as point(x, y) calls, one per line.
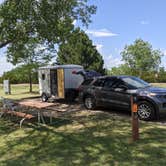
point(30, 82)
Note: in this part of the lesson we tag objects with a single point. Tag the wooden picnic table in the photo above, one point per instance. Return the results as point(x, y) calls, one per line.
point(38, 106)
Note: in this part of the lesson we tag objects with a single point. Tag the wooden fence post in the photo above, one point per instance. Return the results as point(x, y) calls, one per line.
point(135, 121)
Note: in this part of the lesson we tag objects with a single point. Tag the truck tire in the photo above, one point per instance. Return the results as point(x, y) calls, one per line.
point(89, 102)
point(146, 111)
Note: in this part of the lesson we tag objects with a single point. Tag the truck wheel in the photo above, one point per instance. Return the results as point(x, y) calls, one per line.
point(89, 102)
point(146, 111)
point(44, 97)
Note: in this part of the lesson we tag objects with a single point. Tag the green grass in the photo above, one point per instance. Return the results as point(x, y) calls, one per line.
point(20, 91)
point(87, 138)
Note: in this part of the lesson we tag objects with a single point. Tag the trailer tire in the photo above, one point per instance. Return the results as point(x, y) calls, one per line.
point(44, 97)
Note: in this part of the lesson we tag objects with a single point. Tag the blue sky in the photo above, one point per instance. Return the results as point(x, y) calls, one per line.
point(120, 22)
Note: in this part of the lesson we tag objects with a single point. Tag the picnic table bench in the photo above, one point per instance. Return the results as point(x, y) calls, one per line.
point(9, 107)
point(23, 116)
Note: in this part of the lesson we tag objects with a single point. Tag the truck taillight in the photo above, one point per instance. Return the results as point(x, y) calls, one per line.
point(74, 72)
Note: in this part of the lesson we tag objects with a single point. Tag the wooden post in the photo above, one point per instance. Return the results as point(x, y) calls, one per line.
point(135, 121)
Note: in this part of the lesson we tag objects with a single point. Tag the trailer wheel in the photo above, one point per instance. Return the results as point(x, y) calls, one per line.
point(44, 97)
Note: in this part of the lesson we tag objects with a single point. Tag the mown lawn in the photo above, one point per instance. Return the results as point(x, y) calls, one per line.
point(20, 91)
point(86, 138)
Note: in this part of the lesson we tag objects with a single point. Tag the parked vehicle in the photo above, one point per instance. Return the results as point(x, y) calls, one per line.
point(59, 81)
point(116, 91)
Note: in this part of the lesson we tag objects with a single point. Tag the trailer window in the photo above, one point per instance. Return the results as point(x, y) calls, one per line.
point(43, 76)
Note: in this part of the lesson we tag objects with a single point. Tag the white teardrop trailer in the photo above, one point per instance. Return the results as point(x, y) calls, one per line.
point(60, 81)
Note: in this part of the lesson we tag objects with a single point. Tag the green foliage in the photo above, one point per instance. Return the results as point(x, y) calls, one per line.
point(49, 21)
point(140, 57)
point(19, 75)
point(141, 60)
point(149, 76)
point(121, 70)
point(161, 75)
point(27, 24)
point(31, 55)
point(79, 49)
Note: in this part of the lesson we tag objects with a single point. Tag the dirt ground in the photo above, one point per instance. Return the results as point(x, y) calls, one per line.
point(61, 108)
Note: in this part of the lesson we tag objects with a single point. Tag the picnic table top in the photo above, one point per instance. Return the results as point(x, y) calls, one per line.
point(35, 103)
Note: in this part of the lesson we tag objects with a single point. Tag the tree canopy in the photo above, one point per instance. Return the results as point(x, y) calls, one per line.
point(30, 56)
point(141, 57)
point(25, 25)
point(79, 49)
point(50, 21)
point(19, 75)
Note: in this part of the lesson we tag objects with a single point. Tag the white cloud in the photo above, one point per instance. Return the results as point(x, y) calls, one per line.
point(74, 22)
point(164, 52)
point(144, 22)
point(99, 47)
point(110, 61)
point(101, 33)
point(4, 65)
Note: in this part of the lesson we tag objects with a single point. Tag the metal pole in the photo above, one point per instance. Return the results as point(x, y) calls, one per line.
point(135, 121)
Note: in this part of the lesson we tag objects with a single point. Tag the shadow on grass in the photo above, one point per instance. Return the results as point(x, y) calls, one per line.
point(7, 127)
point(94, 139)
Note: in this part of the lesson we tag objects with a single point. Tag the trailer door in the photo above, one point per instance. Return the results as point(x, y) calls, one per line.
point(53, 78)
point(60, 79)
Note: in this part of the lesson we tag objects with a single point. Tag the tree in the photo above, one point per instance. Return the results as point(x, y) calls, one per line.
point(79, 49)
point(162, 75)
point(140, 57)
point(30, 56)
point(49, 21)
point(19, 75)
point(123, 69)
